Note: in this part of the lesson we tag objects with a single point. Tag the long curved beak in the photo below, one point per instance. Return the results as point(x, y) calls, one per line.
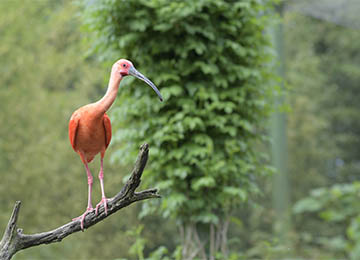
point(135, 73)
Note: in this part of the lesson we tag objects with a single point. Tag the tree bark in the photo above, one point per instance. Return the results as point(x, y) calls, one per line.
point(212, 242)
point(224, 242)
point(192, 246)
point(14, 240)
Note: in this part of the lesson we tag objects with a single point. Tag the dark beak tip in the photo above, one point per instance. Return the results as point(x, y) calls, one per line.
point(135, 73)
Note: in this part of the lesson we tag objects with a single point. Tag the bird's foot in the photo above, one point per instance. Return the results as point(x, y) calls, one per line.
point(102, 201)
point(82, 217)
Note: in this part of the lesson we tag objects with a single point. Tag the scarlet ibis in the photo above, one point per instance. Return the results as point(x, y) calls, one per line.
point(90, 128)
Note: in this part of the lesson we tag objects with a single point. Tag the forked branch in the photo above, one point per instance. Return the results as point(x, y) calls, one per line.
point(15, 240)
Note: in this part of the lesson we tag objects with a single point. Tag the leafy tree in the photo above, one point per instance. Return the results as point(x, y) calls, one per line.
point(207, 57)
point(308, 127)
point(323, 65)
point(322, 70)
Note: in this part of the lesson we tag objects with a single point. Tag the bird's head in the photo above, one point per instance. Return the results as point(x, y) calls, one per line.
point(124, 68)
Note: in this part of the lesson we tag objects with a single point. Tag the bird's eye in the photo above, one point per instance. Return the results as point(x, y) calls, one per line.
point(124, 65)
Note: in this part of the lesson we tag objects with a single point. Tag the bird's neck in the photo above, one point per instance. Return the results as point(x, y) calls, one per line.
point(108, 99)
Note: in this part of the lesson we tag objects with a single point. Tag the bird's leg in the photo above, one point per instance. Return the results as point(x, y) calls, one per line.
point(103, 198)
point(89, 206)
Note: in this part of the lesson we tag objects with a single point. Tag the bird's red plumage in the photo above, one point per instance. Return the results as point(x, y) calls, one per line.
point(73, 124)
point(89, 132)
point(107, 127)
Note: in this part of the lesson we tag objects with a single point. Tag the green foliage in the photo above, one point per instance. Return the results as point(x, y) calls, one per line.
point(137, 248)
point(207, 58)
point(322, 65)
point(322, 69)
point(337, 206)
point(310, 151)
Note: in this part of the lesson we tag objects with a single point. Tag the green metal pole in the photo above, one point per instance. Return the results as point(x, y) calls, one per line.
point(281, 193)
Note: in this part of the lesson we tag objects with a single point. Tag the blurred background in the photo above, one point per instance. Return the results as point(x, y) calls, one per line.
point(291, 185)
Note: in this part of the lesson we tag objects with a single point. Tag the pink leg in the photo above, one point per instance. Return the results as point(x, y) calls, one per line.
point(103, 198)
point(89, 206)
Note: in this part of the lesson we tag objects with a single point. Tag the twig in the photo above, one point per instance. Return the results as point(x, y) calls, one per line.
point(14, 240)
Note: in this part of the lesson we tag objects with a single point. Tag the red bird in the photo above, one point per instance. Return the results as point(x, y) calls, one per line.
point(90, 128)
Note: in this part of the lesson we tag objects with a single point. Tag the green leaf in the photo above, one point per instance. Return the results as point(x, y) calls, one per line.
point(307, 205)
point(236, 192)
point(202, 182)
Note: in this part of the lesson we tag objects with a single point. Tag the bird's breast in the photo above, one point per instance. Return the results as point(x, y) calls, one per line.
point(90, 136)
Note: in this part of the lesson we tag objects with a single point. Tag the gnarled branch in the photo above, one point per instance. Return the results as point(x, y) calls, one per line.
point(14, 240)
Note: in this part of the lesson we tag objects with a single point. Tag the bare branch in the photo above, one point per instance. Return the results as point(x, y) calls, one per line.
point(8, 242)
point(14, 240)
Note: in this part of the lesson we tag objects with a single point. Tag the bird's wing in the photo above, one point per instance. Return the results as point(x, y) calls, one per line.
point(73, 126)
point(107, 127)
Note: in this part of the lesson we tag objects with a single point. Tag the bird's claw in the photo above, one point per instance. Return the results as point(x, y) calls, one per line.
point(102, 201)
point(82, 217)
